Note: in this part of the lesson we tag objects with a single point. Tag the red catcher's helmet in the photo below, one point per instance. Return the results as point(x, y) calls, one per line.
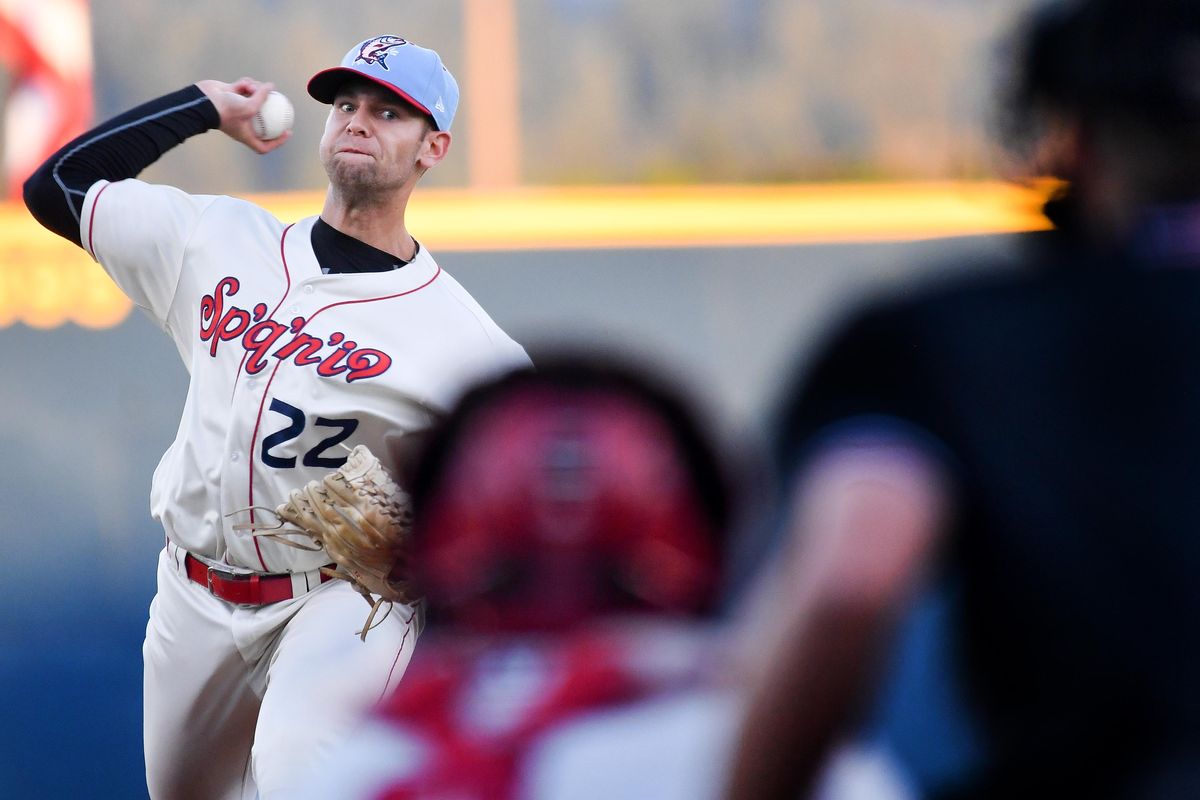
point(555, 504)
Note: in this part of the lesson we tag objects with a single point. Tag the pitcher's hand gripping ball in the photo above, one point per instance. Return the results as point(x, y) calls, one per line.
point(274, 117)
point(362, 518)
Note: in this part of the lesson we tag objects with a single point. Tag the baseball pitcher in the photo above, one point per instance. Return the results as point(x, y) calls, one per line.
point(316, 349)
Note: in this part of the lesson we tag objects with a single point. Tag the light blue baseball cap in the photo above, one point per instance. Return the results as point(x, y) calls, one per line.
point(415, 73)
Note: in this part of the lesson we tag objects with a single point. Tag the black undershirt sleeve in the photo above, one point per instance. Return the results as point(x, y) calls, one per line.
point(118, 149)
point(125, 145)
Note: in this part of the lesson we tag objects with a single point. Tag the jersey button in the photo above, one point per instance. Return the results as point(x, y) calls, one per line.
point(308, 289)
point(235, 456)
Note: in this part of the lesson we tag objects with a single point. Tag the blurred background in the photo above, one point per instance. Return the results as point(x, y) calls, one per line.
point(705, 185)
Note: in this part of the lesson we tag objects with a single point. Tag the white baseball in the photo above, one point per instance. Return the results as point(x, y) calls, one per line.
point(274, 117)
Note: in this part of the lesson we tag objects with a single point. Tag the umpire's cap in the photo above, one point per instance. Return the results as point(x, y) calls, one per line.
point(1139, 59)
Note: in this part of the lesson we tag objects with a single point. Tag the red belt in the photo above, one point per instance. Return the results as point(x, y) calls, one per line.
point(249, 588)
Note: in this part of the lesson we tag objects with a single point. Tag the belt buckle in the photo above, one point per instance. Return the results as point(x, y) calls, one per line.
point(209, 577)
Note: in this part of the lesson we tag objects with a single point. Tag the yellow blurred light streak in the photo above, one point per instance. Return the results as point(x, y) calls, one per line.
point(45, 281)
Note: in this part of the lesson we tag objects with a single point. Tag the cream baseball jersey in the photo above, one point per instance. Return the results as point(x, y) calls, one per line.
point(287, 364)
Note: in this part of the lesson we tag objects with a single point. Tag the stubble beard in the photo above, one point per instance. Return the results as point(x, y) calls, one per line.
point(360, 185)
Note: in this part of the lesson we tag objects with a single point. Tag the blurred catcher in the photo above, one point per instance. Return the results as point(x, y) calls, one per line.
point(569, 533)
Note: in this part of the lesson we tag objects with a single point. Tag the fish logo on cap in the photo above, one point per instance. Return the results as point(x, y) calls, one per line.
point(376, 51)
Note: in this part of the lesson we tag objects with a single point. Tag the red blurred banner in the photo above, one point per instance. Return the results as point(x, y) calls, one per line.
point(46, 50)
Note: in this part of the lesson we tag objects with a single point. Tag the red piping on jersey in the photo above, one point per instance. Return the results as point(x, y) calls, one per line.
point(238, 376)
point(396, 660)
point(267, 388)
point(250, 459)
point(287, 288)
point(372, 299)
point(287, 274)
point(92, 218)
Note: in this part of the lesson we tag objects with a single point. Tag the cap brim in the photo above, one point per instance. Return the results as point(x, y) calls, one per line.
point(323, 86)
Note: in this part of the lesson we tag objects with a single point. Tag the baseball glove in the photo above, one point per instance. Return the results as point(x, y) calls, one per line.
point(361, 518)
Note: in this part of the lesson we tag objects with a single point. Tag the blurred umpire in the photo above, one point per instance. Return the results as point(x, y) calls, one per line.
point(1033, 436)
